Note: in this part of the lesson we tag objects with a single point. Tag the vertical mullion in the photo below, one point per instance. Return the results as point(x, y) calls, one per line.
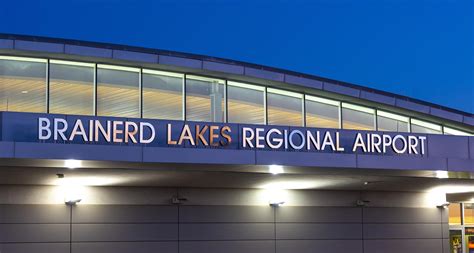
point(340, 115)
point(304, 109)
point(47, 85)
point(184, 97)
point(95, 89)
point(376, 124)
point(140, 90)
point(226, 106)
point(265, 104)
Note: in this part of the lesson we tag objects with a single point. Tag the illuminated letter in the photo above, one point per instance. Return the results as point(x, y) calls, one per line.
point(279, 141)
point(259, 138)
point(42, 128)
point(376, 141)
point(386, 142)
point(394, 144)
point(225, 133)
point(311, 140)
point(81, 132)
point(213, 135)
point(338, 145)
point(170, 141)
point(359, 142)
point(100, 128)
point(328, 141)
point(186, 135)
point(130, 134)
point(200, 134)
point(422, 139)
point(247, 140)
point(303, 140)
point(58, 130)
point(117, 131)
point(142, 130)
point(412, 146)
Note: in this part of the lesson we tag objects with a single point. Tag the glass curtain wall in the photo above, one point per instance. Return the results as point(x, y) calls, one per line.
point(246, 103)
point(163, 95)
point(205, 99)
point(23, 84)
point(284, 108)
point(118, 92)
point(392, 122)
point(71, 87)
point(321, 112)
point(418, 126)
point(357, 117)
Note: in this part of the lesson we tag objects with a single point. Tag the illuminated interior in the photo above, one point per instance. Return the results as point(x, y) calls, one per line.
point(80, 88)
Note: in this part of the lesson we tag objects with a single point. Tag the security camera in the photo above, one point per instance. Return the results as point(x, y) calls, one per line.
point(178, 200)
point(362, 203)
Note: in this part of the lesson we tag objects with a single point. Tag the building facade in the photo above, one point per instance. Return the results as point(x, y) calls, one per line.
point(110, 148)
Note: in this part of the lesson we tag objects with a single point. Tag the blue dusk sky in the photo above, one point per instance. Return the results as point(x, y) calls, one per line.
point(417, 48)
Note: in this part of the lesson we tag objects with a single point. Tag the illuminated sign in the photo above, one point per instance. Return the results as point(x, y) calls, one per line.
point(225, 135)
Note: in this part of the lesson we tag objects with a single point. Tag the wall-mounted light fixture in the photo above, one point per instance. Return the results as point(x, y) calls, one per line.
point(72, 164)
point(275, 169)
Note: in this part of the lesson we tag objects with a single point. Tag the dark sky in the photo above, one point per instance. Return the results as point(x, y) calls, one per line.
point(418, 48)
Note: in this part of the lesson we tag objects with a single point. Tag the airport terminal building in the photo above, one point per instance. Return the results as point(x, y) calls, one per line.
point(112, 148)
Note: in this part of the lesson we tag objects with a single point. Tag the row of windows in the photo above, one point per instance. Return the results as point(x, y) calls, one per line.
point(56, 86)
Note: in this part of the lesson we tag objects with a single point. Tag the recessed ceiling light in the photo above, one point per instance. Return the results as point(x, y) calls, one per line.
point(24, 92)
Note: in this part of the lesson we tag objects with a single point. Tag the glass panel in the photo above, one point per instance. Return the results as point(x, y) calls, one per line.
point(469, 213)
point(454, 214)
point(117, 91)
point(245, 103)
point(284, 108)
point(455, 241)
point(469, 239)
point(162, 95)
point(451, 131)
point(418, 126)
point(391, 122)
point(357, 117)
point(204, 99)
point(22, 84)
point(71, 88)
point(322, 112)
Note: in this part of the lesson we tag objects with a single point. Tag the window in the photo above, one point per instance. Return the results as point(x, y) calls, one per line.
point(117, 91)
point(357, 117)
point(321, 112)
point(22, 84)
point(284, 108)
point(468, 213)
point(451, 131)
point(392, 122)
point(454, 214)
point(246, 103)
point(205, 100)
point(71, 87)
point(163, 95)
point(418, 126)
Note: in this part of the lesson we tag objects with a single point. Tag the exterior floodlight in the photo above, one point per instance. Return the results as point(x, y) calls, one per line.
point(277, 204)
point(72, 164)
point(444, 205)
point(275, 169)
point(441, 174)
point(72, 202)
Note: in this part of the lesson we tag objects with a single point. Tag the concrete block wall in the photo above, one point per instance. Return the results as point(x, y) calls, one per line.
point(141, 220)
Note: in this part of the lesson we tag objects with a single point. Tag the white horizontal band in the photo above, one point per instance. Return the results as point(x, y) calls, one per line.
point(392, 116)
point(114, 67)
point(246, 86)
point(162, 73)
point(322, 100)
point(72, 63)
point(285, 93)
point(358, 108)
point(14, 58)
